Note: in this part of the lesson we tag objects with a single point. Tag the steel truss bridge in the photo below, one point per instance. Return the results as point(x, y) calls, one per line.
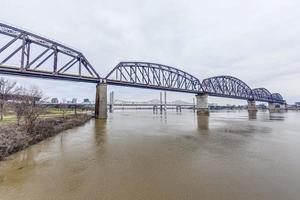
point(26, 54)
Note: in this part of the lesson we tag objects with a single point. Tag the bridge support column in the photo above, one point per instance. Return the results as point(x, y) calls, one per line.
point(101, 101)
point(252, 107)
point(202, 104)
point(272, 107)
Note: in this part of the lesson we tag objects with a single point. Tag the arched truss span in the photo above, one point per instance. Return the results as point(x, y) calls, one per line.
point(22, 51)
point(277, 98)
point(227, 86)
point(262, 94)
point(154, 76)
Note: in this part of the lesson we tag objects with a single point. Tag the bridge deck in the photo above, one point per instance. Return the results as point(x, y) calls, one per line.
point(8, 70)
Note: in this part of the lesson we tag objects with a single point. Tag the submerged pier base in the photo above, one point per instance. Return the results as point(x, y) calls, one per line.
point(273, 107)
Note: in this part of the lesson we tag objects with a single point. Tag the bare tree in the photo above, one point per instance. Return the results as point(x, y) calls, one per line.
point(63, 107)
point(19, 108)
point(27, 107)
point(7, 90)
point(19, 105)
point(31, 115)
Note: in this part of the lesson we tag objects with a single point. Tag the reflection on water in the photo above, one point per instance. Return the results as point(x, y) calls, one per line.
point(252, 115)
point(276, 116)
point(141, 155)
point(203, 122)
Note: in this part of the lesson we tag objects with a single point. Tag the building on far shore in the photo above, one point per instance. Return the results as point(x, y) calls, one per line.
point(295, 106)
point(261, 106)
point(74, 100)
point(86, 100)
point(54, 100)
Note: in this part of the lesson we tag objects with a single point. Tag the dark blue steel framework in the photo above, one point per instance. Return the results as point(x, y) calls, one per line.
point(69, 64)
point(277, 97)
point(153, 76)
point(32, 51)
point(262, 94)
point(158, 76)
point(227, 86)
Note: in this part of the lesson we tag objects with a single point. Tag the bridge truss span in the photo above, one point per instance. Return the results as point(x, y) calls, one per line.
point(25, 53)
point(153, 76)
point(227, 86)
point(262, 94)
point(277, 98)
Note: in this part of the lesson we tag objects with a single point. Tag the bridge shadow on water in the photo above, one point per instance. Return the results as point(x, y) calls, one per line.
point(267, 116)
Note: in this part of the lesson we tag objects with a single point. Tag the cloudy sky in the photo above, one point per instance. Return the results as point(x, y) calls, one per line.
point(256, 41)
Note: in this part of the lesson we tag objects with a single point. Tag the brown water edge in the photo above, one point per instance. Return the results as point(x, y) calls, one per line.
point(14, 138)
point(138, 155)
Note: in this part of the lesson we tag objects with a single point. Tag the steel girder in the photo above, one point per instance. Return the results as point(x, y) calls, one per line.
point(31, 52)
point(154, 76)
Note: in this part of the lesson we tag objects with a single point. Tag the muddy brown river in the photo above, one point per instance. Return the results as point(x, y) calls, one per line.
point(141, 155)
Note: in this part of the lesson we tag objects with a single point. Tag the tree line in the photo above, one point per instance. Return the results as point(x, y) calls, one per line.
point(23, 102)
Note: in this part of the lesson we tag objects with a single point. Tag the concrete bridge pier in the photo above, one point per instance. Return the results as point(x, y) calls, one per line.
point(101, 101)
point(252, 110)
point(272, 107)
point(252, 107)
point(202, 104)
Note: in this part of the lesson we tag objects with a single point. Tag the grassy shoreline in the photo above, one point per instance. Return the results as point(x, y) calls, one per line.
point(13, 138)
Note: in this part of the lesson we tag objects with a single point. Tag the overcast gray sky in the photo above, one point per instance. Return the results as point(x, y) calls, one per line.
point(256, 41)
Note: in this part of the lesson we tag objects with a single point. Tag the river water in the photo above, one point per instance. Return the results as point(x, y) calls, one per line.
point(141, 155)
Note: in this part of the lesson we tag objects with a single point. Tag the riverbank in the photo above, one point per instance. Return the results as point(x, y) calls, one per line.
point(13, 137)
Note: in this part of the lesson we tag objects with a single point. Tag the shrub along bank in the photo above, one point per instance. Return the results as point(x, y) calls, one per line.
point(14, 137)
